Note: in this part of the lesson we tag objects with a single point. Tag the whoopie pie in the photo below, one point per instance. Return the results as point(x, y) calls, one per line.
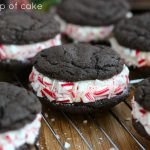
point(90, 20)
point(20, 118)
point(132, 40)
point(141, 108)
point(80, 77)
point(23, 35)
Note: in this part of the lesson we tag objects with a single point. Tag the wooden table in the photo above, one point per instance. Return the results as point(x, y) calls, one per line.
point(98, 131)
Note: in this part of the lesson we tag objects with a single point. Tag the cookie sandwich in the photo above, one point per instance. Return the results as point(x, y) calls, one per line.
point(86, 20)
point(20, 118)
point(132, 40)
point(80, 77)
point(23, 35)
point(141, 108)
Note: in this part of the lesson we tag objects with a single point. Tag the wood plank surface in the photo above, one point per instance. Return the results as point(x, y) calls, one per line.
point(91, 133)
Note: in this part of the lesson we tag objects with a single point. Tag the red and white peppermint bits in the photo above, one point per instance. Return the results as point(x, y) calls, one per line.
point(25, 52)
point(82, 91)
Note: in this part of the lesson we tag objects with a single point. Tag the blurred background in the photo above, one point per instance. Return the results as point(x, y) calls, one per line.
point(140, 4)
point(136, 4)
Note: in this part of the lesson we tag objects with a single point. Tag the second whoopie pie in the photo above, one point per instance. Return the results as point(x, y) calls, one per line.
point(132, 40)
point(141, 108)
point(90, 20)
point(80, 77)
point(23, 35)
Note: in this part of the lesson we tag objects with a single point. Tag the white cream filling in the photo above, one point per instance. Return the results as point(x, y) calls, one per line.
point(82, 91)
point(132, 57)
point(25, 52)
point(140, 116)
point(26, 135)
point(85, 33)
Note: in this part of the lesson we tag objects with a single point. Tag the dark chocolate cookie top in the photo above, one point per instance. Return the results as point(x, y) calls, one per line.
point(76, 62)
point(134, 33)
point(18, 107)
point(20, 27)
point(142, 94)
point(93, 12)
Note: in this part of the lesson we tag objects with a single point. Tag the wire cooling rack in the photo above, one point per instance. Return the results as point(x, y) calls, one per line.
point(107, 130)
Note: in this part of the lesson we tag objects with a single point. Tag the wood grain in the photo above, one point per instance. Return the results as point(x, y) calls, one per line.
point(87, 127)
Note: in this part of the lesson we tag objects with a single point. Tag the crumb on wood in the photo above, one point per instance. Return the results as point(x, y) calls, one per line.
point(85, 121)
point(127, 119)
point(67, 145)
point(52, 119)
point(68, 139)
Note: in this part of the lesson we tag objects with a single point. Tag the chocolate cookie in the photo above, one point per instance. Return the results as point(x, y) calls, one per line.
point(134, 33)
point(25, 27)
point(140, 129)
point(79, 77)
point(78, 62)
point(20, 111)
point(93, 13)
point(142, 94)
point(90, 20)
point(23, 35)
point(141, 108)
